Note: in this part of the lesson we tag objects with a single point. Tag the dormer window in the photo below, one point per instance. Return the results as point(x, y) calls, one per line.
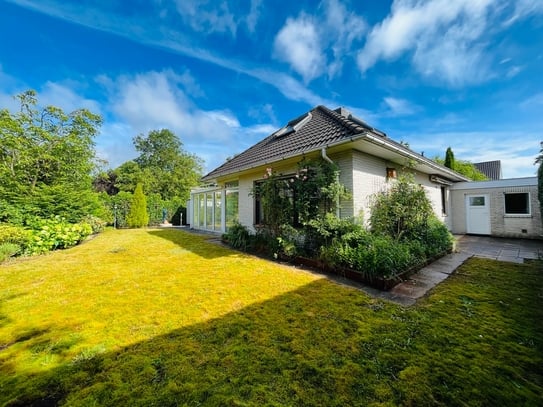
point(293, 126)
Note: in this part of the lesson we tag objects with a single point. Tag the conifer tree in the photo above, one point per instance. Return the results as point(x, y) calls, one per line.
point(449, 158)
point(138, 216)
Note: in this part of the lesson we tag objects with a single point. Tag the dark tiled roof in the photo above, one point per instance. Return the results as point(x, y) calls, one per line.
point(492, 169)
point(318, 128)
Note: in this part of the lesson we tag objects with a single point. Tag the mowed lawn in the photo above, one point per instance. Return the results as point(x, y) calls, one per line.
point(166, 318)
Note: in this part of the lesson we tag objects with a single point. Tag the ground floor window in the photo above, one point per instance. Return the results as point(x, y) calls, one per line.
point(517, 203)
point(215, 208)
point(232, 208)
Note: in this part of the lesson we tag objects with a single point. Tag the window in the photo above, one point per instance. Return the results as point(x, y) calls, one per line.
point(218, 210)
point(444, 200)
point(232, 208)
point(284, 197)
point(517, 203)
point(477, 201)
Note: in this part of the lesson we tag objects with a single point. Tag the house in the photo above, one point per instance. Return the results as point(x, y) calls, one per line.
point(367, 159)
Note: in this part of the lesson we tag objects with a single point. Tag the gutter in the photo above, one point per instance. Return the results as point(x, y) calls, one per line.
point(411, 154)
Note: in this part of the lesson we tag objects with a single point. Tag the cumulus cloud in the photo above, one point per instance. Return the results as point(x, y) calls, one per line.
point(298, 44)
point(315, 44)
point(444, 38)
point(155, 100)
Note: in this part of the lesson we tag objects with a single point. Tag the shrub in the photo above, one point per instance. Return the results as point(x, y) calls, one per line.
point(8, 250)
point(238, 237)
point(138, 216)
point(97, 225)
point(402, 212)
point(371, 255)
point(322, 230)
point(290, 242)
point(14, 234)
point(437, 238)
point(55, 233)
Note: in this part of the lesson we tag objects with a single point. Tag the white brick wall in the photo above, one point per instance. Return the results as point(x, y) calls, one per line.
point(500, 224)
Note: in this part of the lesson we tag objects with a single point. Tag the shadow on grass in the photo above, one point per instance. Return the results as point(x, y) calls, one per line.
point(318, 345)
point(196, 243)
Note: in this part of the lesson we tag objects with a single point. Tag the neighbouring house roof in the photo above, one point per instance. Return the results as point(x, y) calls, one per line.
point(492, 169)
point(323, 128)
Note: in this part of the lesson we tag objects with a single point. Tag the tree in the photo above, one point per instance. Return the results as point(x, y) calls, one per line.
point(167, 168)
point(449, 158)
point(46, 160)
point(138, 216)
point(463, 167)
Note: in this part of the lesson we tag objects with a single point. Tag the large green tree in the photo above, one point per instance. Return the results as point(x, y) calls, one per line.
point(166, 168)
point(46, 160)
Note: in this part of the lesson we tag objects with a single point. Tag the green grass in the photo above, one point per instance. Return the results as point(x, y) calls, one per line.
point(165, 318)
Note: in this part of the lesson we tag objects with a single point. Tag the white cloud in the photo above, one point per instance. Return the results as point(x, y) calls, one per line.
point(400, 107)
point(155, 100)
point(443, 37)
point(534, 101)
point(306, 41)
point(254, 15)
point(207, 16)
point(298, 44)
point(65, 96)
point(525, 8)
point(339, 31)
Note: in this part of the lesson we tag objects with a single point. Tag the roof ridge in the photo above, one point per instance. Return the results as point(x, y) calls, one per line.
point(345, 121)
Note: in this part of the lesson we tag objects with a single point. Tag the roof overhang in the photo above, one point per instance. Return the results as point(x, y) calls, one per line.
point(366, 142)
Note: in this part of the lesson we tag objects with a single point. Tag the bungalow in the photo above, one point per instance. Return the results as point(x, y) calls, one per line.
point(367, 160)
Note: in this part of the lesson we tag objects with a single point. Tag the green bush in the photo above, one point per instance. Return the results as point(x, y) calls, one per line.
point(401, 212)
point(138, 216)
point(238, 237)
point(8, 250)
point(97, 225)
point(437, 238)
point(55, 233)
point(371, 255)
point(14, 234)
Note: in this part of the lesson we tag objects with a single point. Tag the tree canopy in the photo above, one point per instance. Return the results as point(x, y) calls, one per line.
point(162, 166)
point(46, 160)
point(463, 167)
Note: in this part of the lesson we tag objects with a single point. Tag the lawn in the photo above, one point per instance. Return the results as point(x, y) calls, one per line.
point(166, 318)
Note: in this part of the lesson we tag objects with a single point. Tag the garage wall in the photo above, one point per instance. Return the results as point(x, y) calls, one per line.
point(501, 224)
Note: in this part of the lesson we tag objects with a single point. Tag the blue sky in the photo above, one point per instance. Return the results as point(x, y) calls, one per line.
point(223, 75)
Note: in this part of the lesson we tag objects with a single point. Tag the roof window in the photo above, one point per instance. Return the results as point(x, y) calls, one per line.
point(293, 125)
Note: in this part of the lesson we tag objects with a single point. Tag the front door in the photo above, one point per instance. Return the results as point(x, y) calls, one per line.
point(478, 214)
